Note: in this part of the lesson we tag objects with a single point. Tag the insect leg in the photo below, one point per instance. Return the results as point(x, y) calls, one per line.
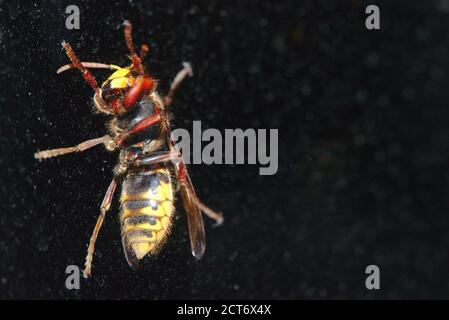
point(106, 140)
point(180, 76)
point(139, 127)
point(217, 216)
point(155, 158)
point(105, 205)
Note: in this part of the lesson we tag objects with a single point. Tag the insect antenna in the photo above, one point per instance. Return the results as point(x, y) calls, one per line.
point(87, 75)
point(144, 49)
point(90, 65)
point(137, 62)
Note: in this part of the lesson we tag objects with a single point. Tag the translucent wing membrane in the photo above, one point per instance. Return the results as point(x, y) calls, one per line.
point(195, 221)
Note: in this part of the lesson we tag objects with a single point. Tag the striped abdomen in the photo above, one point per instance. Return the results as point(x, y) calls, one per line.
point(145, 213)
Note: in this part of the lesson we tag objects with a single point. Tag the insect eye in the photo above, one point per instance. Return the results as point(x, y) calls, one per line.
point(111, 95)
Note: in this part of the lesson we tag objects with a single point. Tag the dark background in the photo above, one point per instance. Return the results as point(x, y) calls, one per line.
point(363, 170)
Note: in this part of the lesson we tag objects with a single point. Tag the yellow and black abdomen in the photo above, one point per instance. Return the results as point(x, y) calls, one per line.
point(145, 213)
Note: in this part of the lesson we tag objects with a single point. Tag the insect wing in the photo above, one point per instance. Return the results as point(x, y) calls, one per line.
point(195, 221)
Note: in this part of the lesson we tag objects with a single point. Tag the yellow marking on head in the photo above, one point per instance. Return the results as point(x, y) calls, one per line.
point(120, 73)
point(119, 83)
point(120, 79)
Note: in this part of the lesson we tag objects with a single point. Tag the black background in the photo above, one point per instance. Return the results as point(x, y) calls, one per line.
point(363, 168)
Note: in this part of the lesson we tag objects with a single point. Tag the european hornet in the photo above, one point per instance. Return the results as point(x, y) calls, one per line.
point(150, 167)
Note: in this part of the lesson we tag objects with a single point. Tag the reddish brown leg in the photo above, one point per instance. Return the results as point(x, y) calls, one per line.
point(139, 127)
point(87, 75)
point(186, 71)
point(157, 157)
point(78, 148)
point(105, 205)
